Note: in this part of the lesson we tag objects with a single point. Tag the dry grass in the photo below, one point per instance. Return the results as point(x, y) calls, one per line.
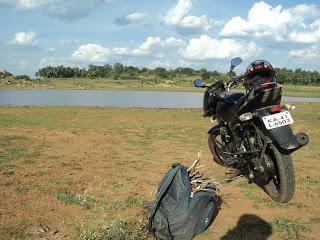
point(86, 172)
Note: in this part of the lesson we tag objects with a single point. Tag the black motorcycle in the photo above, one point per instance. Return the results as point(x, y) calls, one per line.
point(253, 134)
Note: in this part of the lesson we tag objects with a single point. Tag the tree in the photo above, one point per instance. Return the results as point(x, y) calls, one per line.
point(205, 75)
point(118, 68)
point(161, 72)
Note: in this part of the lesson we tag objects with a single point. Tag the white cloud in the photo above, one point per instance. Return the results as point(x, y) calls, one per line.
point(51, 61)
point(161, 63)
point(73, 9)
point(294, 24)
point(135, 17)
point(310, 34)
point(27, 4)
point(24, 39)
point(186, 24)
point(50, 50)
point(67, 10)
point(205, 47)
point(91, 53)
point(153, 46)
point(309, 54)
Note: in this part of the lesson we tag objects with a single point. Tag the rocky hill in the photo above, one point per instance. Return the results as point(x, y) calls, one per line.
point(7, 78)
point(5, 74)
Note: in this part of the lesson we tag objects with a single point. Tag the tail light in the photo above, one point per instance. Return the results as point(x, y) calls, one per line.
point(276, 108)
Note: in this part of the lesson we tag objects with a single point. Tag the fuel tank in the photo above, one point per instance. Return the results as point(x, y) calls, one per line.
point(228, 106)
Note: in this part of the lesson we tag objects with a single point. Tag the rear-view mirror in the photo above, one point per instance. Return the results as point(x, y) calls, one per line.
point(198, 83)
point(235, 62)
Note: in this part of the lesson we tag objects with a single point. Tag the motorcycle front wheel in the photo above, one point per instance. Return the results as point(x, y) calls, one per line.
point(217, 149)
point(281, 187)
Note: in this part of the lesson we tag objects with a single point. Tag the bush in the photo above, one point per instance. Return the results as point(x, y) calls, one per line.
point(25, 77)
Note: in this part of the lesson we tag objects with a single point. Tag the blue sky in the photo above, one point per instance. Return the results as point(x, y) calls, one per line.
point(169, 33)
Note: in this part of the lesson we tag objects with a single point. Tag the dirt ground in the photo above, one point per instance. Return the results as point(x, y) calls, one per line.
point(71, 173)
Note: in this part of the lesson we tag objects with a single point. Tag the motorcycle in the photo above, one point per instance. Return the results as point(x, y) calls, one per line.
point(253, 136)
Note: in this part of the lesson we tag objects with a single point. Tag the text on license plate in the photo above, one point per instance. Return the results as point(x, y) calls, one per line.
point(277, 120)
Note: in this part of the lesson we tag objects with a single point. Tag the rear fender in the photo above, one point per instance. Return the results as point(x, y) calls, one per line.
point(286, 140)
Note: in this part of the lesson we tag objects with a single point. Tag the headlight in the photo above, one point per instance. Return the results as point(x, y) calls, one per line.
point(245, 117)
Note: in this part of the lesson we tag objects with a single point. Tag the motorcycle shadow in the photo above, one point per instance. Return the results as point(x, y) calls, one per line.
point(249, 227)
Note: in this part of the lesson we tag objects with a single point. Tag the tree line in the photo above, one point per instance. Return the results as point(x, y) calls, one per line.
point(119, 71)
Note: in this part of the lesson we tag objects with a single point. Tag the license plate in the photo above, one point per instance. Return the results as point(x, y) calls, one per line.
point(277, 120)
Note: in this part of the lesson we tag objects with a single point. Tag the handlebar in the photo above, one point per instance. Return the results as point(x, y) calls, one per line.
point(234, 82)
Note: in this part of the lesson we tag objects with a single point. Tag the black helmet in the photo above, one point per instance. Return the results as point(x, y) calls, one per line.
point(259, 72)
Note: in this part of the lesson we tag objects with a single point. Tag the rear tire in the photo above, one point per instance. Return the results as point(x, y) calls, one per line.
point(282, 186)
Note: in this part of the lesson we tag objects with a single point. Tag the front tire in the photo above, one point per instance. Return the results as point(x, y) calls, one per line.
point(217, 149)
point(281, 187)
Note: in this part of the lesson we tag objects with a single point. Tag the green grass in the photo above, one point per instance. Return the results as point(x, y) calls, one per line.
point(184, 84)
point(252, 196)
point(19, 231)
point(27, 188)
point(115, 230)
point(90, 161)
point(70, 198)
point(128, 203)
point(291, 228)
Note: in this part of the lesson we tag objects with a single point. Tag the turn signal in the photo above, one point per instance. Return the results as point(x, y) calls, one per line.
point(245, 117)
point(289, 106)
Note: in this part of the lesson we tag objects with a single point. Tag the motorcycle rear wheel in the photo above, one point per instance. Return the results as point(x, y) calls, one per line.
point(282, 186)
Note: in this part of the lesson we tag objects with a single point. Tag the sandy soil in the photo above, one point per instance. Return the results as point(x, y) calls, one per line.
point(115, 170)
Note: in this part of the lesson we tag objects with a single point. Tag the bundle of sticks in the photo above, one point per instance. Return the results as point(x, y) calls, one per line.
point(199, 182)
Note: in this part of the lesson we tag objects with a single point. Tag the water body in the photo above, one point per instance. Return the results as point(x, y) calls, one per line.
point(103, 98)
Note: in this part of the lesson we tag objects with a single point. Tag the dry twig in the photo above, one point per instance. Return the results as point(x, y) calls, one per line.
point(198, 181)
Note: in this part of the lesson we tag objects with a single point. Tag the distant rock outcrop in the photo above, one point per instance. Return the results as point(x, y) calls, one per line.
point(7, 78)
point(5, 74)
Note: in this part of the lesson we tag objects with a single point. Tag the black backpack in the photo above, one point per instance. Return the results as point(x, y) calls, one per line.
point(177, 213)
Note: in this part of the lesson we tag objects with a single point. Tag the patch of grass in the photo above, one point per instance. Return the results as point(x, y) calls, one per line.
point(15, 231)
point(67, 181)
point(117, 186)
point(116, 230)
point(271, 204)
point(11, 149)
point(139, 143)
point(252, 196)
point(309, 182)
point(11, 154)
point(290, 227)
point(7, 166)
point(315, 220)
point(7, 140)
point(39, 173)
point(29, 161)
point(70, 198)
point(67, 164)
point(128, 203)
point(27, 188)
point(8, 173)
point(246, 185)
